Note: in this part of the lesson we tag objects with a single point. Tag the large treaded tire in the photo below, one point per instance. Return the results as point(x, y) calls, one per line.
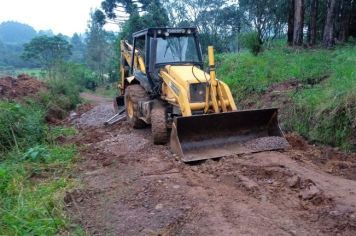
point(134, 94)
point(159, 124)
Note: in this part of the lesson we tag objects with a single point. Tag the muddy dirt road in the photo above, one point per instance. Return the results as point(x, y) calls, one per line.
point(132, 187)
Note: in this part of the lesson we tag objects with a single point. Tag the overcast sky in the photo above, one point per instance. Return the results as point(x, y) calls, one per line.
point(61, 16)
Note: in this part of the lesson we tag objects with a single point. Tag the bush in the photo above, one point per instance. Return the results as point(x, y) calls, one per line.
point(77, 74)
point(252, 42)
point(65, 93)
point(21, 126)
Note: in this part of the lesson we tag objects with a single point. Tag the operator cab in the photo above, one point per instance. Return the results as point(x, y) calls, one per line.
point(168, 46)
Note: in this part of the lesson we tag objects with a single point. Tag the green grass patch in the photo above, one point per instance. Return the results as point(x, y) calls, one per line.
point(21, 126)
point(247, 74)
point(34, 172)
point(323, 109)
point(108, 91)
point(32, 186)
point(58, 131)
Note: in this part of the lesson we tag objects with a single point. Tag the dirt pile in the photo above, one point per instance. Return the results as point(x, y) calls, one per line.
point(17, 88)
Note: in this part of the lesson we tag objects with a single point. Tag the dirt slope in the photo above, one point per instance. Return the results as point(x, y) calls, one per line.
point(17, 88)
point(132, 187)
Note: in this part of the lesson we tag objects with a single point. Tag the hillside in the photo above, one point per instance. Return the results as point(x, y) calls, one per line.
point(12, 32)
point(315, 89)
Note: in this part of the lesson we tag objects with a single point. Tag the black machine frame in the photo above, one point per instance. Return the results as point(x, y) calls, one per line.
point(150, 48)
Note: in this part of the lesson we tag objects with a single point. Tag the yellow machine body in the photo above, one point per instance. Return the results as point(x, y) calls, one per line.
point(208, 124)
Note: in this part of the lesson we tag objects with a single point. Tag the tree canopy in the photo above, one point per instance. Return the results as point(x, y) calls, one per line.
point(224, 22)
point(47, 51)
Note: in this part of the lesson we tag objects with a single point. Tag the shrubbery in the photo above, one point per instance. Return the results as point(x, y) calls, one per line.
point(21, 126)
point(27, 150)
point(252, 42)
point(30, 205)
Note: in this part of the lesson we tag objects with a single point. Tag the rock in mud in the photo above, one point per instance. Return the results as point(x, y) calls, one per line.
point(249, 184)
point(159, 206)
point(310, 192)
point(294, 181)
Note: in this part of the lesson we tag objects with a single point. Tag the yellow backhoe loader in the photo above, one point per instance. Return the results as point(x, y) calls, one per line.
point(163, 84)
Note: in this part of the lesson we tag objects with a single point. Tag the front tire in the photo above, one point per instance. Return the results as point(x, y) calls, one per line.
point(159, 124)
point(133, 95)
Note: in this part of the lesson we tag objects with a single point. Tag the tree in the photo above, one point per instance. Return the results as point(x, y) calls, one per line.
point(268, 17)
point(98, 49)
point(218, 21)
point(135, 15)
point(47, 51)
point(352, 28)
point(298, 22)
point(290, 22)
point(117, 10)
point(78, 48)
point(328, 38)
point(312, 29)
point(345, 20)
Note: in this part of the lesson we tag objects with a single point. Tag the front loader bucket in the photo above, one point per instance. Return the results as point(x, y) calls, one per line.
point(201, 137)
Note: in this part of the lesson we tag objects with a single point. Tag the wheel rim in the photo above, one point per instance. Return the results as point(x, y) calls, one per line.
point(130, 108)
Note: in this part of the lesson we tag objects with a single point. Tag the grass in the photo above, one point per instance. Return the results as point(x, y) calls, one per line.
point(324, 109)
point(35, 172)
point(32, 186)
point(108, 91)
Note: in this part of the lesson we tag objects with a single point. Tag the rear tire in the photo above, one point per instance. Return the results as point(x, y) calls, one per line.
point(159, 124)
point(134, 94)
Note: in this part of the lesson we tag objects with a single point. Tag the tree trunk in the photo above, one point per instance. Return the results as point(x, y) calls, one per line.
point(298, 22)
point(352, 27)
point(290, 22)
point(313, 22)
point(328, 38)
point(345, 20)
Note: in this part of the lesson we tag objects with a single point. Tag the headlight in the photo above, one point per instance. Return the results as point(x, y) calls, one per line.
point(197, 92)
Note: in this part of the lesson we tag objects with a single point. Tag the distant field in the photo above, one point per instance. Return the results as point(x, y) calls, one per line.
point(15, 72)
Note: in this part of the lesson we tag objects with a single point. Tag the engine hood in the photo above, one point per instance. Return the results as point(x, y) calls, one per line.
point(187, 74)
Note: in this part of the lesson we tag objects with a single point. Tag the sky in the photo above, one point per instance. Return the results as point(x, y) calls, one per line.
point(61, 16)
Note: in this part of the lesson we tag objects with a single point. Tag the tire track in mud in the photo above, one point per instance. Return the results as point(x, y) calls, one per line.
point(132, 187)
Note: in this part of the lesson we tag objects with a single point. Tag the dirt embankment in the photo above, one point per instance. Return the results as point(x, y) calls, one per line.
point(20, 87)
point(132, 187)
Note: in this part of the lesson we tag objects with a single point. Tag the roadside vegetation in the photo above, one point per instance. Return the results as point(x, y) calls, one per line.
point(323, 105)
point(35, 170)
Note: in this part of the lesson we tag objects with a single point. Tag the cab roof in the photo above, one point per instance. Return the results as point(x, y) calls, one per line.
point(162, 30)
